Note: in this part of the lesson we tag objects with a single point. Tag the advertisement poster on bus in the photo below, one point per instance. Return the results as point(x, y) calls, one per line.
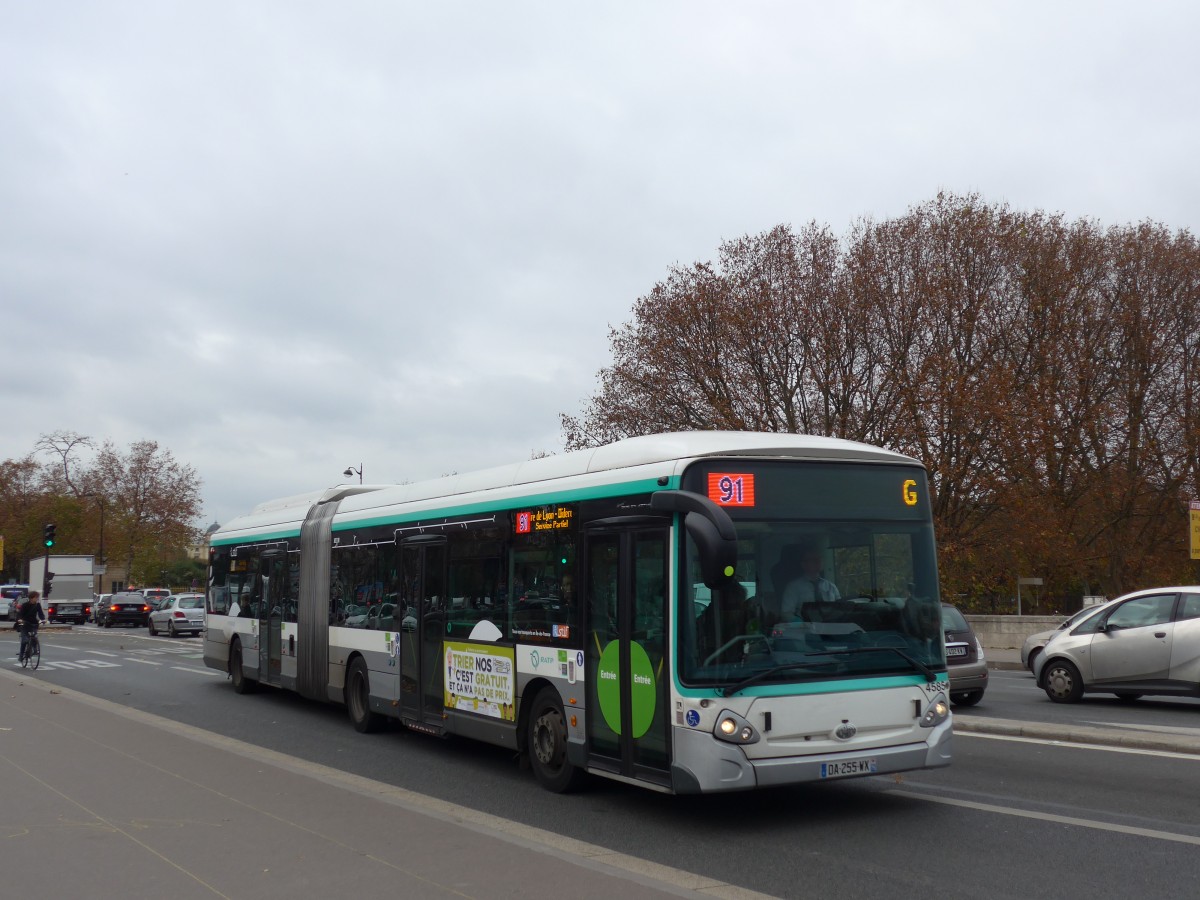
point(480, 679)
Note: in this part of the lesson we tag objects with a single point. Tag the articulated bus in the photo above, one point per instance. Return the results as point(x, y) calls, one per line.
point(690, 612)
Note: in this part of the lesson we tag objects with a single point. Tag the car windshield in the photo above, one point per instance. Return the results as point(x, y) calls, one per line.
point(1077, 618)
point(191, 603)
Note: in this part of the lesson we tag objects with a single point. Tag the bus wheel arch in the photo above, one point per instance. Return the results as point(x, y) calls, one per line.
point(241, 684)
point(543, 727)
point(357, 696)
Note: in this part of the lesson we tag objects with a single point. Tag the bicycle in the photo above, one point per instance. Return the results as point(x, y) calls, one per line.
point(33, 652)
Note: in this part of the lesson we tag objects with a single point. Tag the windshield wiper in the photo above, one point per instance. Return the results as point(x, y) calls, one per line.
point(732, 689)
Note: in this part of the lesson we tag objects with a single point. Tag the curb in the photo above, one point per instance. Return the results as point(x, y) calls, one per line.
point(1002, 666)
point(1079, 734)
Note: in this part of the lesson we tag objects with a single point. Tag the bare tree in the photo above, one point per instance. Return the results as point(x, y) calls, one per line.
point(62, 444)
point(1046, 372)
point(154, 500)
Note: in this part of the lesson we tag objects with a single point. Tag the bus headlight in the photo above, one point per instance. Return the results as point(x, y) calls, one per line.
point(733, 728)
point(938, 712)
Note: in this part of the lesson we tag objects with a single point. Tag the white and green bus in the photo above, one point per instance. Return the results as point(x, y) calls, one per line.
point(691, 612)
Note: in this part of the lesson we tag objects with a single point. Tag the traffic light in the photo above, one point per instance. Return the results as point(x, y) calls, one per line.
point(47, 584)
point(48, 535)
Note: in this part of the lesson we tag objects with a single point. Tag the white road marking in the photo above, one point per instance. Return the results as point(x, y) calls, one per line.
point(199, 671)
point(1075, 745)
point(1051, 817)
point(101, 653)
point(145, 662)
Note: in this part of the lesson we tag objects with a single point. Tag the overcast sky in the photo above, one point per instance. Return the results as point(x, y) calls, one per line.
point(281, 238)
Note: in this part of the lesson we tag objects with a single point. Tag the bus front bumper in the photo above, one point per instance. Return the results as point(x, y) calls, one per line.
point(705, 765)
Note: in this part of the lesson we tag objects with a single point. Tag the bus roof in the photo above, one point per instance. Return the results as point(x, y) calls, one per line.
point(634, 459)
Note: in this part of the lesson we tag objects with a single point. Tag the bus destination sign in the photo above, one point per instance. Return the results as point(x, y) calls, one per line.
point(547, 518)
point(731, 488)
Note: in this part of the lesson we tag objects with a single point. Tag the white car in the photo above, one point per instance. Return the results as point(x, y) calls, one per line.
point(10, 596)
point(179, 614)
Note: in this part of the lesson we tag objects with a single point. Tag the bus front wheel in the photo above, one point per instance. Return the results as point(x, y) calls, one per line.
point(546, 743)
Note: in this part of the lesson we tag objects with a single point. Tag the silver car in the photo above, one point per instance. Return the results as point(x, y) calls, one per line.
point(1147, 642)
point(178, 614)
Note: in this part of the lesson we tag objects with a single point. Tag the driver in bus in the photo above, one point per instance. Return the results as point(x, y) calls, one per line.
point(809, 595)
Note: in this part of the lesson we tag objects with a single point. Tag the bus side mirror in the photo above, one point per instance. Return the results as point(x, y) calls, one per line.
point(711, 529)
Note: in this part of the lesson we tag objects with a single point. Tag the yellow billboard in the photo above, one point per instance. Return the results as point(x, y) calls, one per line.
point(1194, 513)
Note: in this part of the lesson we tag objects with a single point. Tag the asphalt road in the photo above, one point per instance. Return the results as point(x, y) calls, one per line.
point(1011, 818)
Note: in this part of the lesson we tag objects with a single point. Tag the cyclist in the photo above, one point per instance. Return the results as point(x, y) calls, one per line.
point(29, 613)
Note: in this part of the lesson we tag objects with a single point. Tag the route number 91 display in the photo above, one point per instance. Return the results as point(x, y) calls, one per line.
point(731, 488)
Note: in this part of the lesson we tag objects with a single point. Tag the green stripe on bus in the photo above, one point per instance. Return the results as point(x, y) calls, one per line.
point(600, 492)
point(255, 538)
point(793, 688)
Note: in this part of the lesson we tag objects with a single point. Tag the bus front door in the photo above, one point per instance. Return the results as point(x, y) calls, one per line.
point(627, 671)
point(423, 622)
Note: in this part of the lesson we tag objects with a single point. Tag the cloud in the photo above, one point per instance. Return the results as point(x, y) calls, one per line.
point(284, 238)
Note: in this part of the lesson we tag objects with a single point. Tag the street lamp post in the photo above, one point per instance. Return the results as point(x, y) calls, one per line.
point(350, 470)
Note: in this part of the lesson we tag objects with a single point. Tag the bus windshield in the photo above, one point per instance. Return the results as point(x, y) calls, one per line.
point(826, 596)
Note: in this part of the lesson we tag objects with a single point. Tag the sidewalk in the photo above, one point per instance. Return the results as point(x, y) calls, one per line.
point(104, 801)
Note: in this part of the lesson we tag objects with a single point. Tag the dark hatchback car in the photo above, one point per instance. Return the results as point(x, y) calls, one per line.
point(965, 661)
point(128, 608)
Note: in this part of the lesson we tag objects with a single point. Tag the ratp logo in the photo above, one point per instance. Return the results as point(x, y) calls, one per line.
point(538, 659)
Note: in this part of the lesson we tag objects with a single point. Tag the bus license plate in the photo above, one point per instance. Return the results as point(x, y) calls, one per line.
point(848, 767)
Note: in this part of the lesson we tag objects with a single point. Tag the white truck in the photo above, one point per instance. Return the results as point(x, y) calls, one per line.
point(71, 596)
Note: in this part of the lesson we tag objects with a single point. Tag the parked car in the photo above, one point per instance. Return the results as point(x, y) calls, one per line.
point(965, 660)
point(125, 608)
point(10, 596)
point(178, 614)
point(1147, 642)
point(1032, 648)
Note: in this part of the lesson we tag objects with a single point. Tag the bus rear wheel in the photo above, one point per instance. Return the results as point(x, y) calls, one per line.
point(241, 684)
point(358, 699)
point(546, 743)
